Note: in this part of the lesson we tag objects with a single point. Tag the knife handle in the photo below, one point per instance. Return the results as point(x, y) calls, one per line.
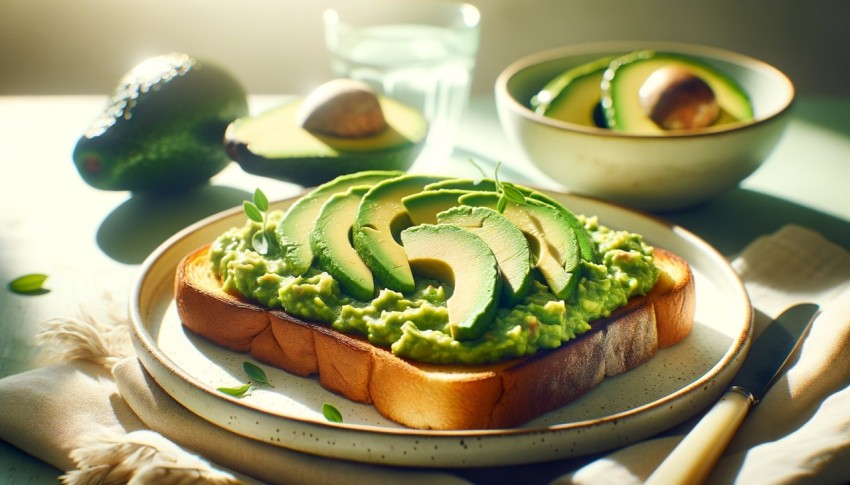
point(693, 459)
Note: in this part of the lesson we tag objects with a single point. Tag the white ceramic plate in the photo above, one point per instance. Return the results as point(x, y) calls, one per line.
point(672, 387)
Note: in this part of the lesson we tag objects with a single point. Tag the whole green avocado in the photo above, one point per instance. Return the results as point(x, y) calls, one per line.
point(163, 127)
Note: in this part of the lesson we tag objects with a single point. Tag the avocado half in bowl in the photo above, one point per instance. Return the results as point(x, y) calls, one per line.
point(274, 144)
point(596, 138)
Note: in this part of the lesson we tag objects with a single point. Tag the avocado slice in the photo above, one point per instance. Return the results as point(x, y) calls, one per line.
point(423, 207)
point(626, 74)
point(331, 243)
point(274, 144)
point(293, 231)
point(575, 95)
point(380, 217)
point(505, 240)
point(588, 248)
point(551, 237)
point(463, 260)
point(470, 185)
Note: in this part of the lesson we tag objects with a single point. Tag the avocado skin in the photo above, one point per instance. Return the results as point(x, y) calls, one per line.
point(309, 171)
point(162, 128)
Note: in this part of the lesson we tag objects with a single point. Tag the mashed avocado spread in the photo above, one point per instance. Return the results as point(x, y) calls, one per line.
point(415, 325)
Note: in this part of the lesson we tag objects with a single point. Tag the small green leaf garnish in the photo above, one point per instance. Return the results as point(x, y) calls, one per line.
point(507, 191)
point(512, 193)
point(256, 373)
point(237, 391)
point(260, 200)
point(331, 413)
point(257, 211)
point(29, 284)
point(252, 211)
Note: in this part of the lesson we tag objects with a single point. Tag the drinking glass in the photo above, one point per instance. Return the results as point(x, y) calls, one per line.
point(421, 53)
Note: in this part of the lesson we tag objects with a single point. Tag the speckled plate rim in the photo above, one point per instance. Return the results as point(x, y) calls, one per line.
point(538, 441)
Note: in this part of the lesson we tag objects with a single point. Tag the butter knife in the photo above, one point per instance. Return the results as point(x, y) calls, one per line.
point(692, 460)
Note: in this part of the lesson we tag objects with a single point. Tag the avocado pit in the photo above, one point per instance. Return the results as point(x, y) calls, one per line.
point(342, 107)
point(676, 99)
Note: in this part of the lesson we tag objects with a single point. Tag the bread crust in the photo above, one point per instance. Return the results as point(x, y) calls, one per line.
point(206, 309)
point(674, 298)
point(445, 397)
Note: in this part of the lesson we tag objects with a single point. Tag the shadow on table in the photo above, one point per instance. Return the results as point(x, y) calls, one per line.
point(732, 221)
point(135, 228)
point(827, 112)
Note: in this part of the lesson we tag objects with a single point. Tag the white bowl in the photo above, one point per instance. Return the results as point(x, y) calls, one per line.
point(670, 171)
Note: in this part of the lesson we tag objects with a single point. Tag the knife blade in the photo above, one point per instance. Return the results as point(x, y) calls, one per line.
point(692, 460)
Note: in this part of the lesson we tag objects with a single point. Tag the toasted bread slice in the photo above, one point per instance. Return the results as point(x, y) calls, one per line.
point(444, 397)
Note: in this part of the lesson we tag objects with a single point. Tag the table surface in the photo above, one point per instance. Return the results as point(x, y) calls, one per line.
point(92, 242)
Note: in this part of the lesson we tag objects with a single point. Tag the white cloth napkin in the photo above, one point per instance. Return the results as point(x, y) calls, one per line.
point(800, 431)
point(95, 412)
point(119, 426)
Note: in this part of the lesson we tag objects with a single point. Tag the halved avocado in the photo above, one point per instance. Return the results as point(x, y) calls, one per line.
point(551, 237)
point(331, 242)
point(463, 260)
point(380, 218)
point(505, 240)
point(273, 144)
point(293, 231)
point(574, 96)
point(626, 74)
point(588, 248)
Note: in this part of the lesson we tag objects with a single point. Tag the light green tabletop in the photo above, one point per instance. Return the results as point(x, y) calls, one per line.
point(92, 242)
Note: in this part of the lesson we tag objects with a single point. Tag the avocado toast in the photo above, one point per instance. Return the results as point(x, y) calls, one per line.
point(481, 340)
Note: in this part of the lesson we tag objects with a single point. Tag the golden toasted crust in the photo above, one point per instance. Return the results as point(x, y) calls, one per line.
point(206, 309)
point(433, 396)
point(674, 298)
